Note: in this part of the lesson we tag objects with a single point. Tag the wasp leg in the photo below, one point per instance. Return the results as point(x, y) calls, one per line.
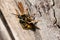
point(34, 21)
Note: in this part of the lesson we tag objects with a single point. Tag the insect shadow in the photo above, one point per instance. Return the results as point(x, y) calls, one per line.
point(34, 27)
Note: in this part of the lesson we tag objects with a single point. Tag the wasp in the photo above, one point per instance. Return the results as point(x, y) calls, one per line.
point(26, 21)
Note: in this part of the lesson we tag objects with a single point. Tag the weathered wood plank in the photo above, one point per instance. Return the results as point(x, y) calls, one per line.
point(3, 32)
point(44, 11)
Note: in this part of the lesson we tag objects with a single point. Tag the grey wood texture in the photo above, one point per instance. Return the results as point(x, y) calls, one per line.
point(47, 11)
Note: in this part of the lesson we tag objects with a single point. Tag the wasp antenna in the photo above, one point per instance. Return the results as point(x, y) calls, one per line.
point(14, 14)
point(17, 12)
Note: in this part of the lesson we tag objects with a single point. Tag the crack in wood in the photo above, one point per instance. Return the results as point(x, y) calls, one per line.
point(6, 25)
point(55, 15)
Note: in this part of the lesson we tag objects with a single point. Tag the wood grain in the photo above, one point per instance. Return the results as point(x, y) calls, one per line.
point(48, 30)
